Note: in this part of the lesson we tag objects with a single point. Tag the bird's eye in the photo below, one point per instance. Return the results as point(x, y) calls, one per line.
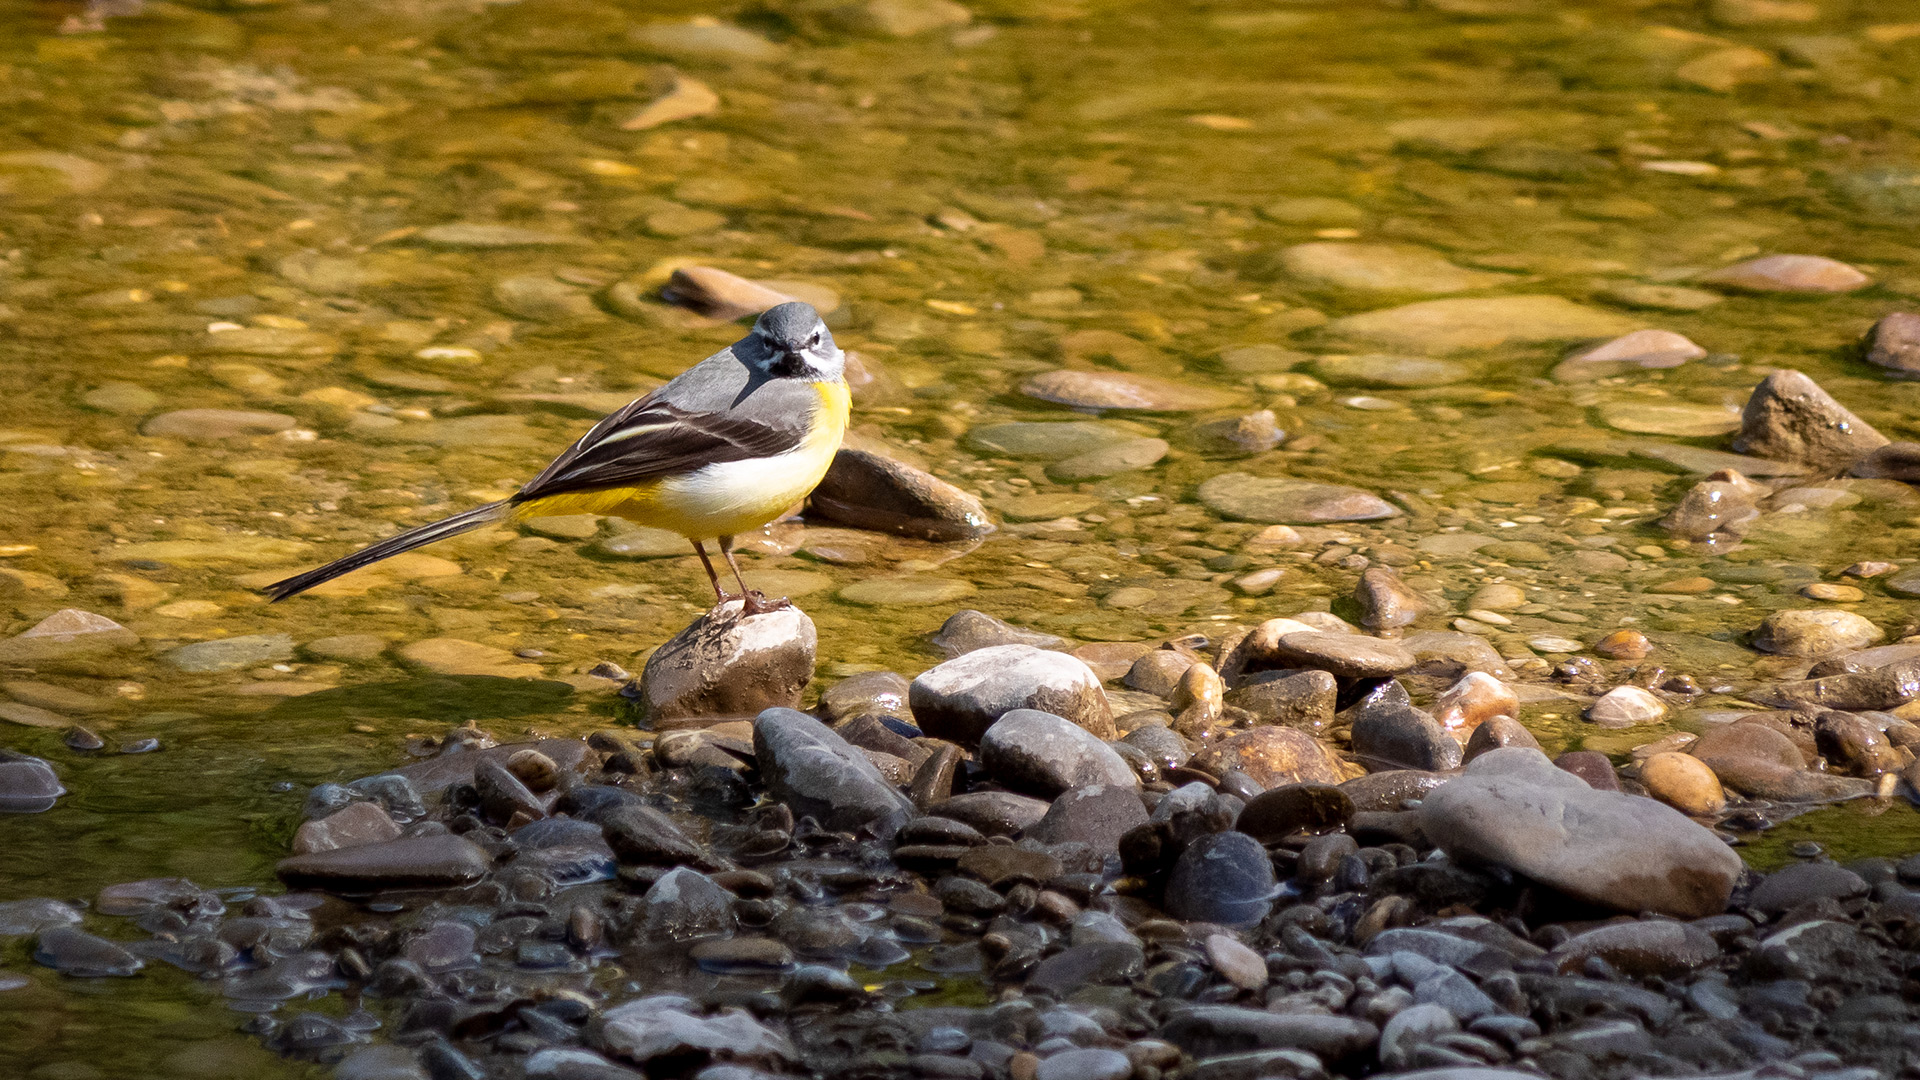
point(813, 341)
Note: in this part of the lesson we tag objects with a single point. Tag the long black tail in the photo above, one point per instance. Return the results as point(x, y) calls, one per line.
point(465, 521)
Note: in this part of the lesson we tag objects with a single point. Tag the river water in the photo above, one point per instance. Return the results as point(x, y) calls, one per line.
point(424, 242)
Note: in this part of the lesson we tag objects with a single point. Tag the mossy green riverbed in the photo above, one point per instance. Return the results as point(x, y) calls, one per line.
point(242, 206)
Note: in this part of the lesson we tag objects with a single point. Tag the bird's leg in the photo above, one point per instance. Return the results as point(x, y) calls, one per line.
point(755, 603)
point(701, 550)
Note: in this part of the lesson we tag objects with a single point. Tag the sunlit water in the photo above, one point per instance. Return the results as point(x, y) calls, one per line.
point(1104, 185)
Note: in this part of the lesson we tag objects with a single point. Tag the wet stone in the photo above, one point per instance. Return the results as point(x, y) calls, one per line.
point(1894, 461)
point(1640, 350)
point(75, 952)
point(1285, 501)
point(1102, 390)
point(1894, 344)
point(1043, 754)
point(724, 664)
point(1498, 732)
point(1381, 268)
point(1207, 1031)
point(1282, 811)
point(1591, 766)
point(1381, 371)
point(1096, 815)
point(1001, 866)
point(232, 654)
point(816, 773)
point(1815, 632)
point(1385, 601)
point(1048, 441)
point(1513, 808)
point(1272, 756)
point(1223, 878)
point(1626, 706)
point(1803, 883)
point(1790, 418)
point(210, 425)
point(868, 491)
point(22, 917)
point(66, 634)
point(1624, 645)
point(668, 1027)
point(995, 813)
point(1093, 963)
point(1349, 656)
point(1652, 418)
point(960, 699)
point(1396, 735)
point(432, 861)
point(1130, 456)
point(1788, 274)
point(1444, 327)
point(477, 235)
point(1293, 698)
point(1683, 782)
point(1660, 297)
point(968, 631)
point(1640, 949)
point(28, 785)
point(359, 823)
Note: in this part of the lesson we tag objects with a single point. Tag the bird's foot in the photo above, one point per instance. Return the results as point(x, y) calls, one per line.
point(758, 604)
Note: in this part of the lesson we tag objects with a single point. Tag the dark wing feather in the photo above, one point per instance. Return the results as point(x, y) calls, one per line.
point(651, 439)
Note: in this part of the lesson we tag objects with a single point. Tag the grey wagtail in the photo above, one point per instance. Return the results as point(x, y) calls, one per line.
point(724, 447)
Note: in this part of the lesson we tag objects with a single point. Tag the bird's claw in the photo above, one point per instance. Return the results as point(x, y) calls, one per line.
point(758, 604)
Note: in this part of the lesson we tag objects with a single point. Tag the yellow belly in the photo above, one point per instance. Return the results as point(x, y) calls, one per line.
point(723, 499)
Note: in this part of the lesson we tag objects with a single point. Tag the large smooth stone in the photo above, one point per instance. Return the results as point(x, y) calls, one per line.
point(968, 631)
point(1123, 390)
point(1045, 755)
point(66, 634)
point(76, 952)
point(817, 773)
point(214, 424)
point(1223, 878)
point(1349, 656)
point(1403, 737)
point(1462, 325)
point(1380, 371)
point(724, 664)
point(1640, 350)
point(1280, 500)
point(232, 654)
point(868, 491)
point(1049, 440)
point(1894, 344)
point(1514, 808)
point(960, 699)
point(1273, 756)
point(1663, 418)
point(1790, 418)
point(1383, 268)
point(28, 785)
point(1815, 632)
point(1207, 1031)
point(437, 861)
point(1789, 274)
point(1097, 815)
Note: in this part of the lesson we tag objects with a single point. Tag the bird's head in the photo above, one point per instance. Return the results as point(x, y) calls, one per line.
point(791, 341)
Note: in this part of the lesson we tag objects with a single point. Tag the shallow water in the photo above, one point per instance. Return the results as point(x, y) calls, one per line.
point(1104, 184)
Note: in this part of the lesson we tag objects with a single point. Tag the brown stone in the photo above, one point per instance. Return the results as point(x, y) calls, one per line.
point(868, 491)
point(354, 825)
point(1386, 602)
point(1475, 699)
point(724, 664)
point(1273, 756)
point(1789, 418)
point(1683, 782)
point(1894, 344)
point(1498, 732)
point(1624, 645)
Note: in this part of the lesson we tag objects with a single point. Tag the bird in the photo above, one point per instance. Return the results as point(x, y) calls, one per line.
point(724, 447)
